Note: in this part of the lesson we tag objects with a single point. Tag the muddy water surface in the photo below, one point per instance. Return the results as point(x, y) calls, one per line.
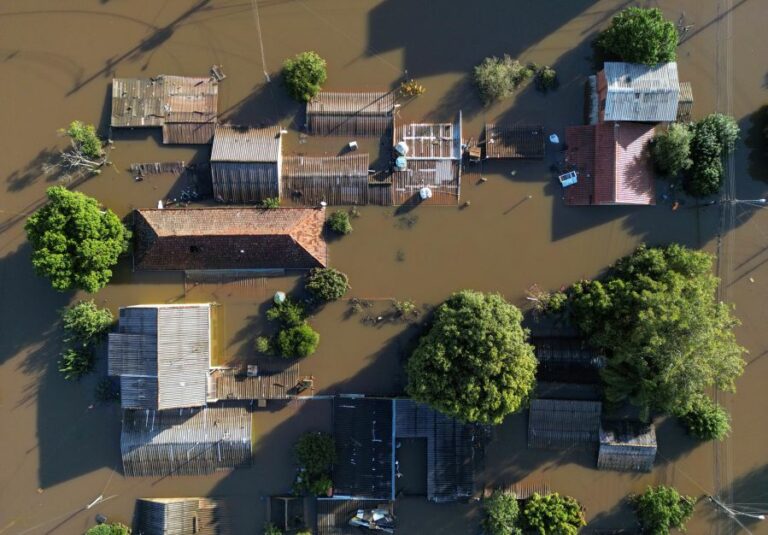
point(60, 451)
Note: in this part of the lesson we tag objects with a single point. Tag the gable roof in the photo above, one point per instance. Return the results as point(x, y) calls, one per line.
point(161, 354)
point(634, 92)
point(230, 238)
point(362, 114)
point(561, 424)
point(246, 144)
point(179, 516)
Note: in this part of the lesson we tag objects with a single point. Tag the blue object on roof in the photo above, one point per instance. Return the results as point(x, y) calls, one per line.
point(401, 163)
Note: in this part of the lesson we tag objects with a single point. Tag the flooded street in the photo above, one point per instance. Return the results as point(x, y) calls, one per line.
point(60, 450)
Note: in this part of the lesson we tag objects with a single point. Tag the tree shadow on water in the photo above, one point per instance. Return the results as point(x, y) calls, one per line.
point(266, 105)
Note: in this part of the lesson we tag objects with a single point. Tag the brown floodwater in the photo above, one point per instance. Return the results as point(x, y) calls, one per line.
point(59, 451)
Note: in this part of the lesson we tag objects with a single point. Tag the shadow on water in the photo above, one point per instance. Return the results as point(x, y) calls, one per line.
point(33, 170)
point(266, 105)
point(755, 126)
point(750, 493)
point(619, 517)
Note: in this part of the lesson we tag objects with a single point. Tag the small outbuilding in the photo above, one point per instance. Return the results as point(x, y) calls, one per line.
point(184, 107)
point(335, 180)
point(180, 516)
point(228, 239)
point(514, 141)
point(638, 93)
point(351, 114)
point(627, 446)
point(561, 424)
point(246, 163)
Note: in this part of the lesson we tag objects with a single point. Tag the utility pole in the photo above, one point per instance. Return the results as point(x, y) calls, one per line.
point(734, 514)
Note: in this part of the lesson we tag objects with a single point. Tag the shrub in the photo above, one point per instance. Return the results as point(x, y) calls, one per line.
point(304, 75)
point(474, 363)
point(553, 514)
point(84, 323)
point(404, 309)
point(85, 139)
point(298, 341)
point(263, 345)
point(338, 222)
point(74, 363)
point(496, 78)
point(412, 88)
point(638, 35)
point(109, 529)
point(315, 454)
point(74, 242)
point(270, 203)
point(327, 284)
point(662, 508)
point(501, 514)
point(288, 313)
point(713, 137)
point(671, 149)
point(707, 420)
point(271, 529)
point(546, 78)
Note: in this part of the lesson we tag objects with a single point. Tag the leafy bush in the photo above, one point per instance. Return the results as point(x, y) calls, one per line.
point(74, 363)
point(713, 137)
point(671, 149)
point(288, 313)
point(298, 341)
point(85, 139)
point(475, 362)
point(546, 78)
point(497, 78)
point(501, 514)
point(707, 420)
point(315, 454)
point(338, 222)
point(327, 284)
point(412, 88)
point(271, 529)
point(638, 35)
point(270, 203)
point(262, 344)
point(662, 508)
point(404, 309)
point(84, 323)
point(304, 75)
point(667, 336)
point(553, 514)
point(109, 529)
point(74, 242)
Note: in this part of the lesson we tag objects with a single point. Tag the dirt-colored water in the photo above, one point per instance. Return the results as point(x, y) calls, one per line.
point(57, 58)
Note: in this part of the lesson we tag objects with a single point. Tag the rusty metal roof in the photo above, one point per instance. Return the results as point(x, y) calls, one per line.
point(246, 144)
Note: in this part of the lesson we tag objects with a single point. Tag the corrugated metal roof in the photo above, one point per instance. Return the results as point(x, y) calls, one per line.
point(230, 238)
point(179, 516)
point(627, 446)
point(162, 355)
point(560, 424)
point(441, 176)
point(641, 92)
point(514, 141)
point(431, 140)
point(349, 165)
point(245, 182)
point(193, 441)
point(370, 103)
point(228, 384)
point(246, 144)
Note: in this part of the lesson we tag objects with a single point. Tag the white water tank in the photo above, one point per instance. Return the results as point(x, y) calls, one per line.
point(425, 193)
point(401, 148)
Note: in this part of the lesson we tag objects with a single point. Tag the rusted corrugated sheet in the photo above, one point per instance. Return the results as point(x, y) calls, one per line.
point(184, 441)
point(339, 180)
point(380, 194)
point(514, 141)
point(180, 516)
point(241, 182)
point(440, 176)
point(137, 102)
point(228, 384)
point(188, 133)
point(685, 104)
point(627, 446)
point(361, 114)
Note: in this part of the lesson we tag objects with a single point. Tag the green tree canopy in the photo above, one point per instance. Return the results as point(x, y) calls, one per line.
point(327, 284)
point(315, 454)
point(662, 508)
point(85, 139)
point(74, 242)
point(304, 75)
point(339, 223)
point(299, 341)
point(497, 78)
point(553, 514)
point(666, 336)
point(707, 420)
point(713, 138)
point(501, 514)
point(671, 149)
point(475, 362)
point(84, 323)
point(109, 529)
point(638, 35)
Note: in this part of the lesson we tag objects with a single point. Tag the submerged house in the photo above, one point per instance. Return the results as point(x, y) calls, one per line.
point(335, 180)
point(242, 239)
point(368, 432)
point(351, 114)
point(513, 141)
point(431, 173)
point(246, 163)
point(627, 446)
point(612, 163)
point(563, 424)
point(565, 359)
point(184, 107)
point(179, 516)
point(639, 93)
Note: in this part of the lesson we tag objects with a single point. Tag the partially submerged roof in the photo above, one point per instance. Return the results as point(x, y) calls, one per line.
point(432, 140)
point(627, 445)
point(560, 424)
point(635, 92)
point(567, 359)
point(514, 141)
point(179, 516)
point(229, 238)
point(185, 441)
point(161, 354)
point(364, 433)
point(170, 102)
point(246, 144)
point(363, 113)
point(613, 164)
point(333, 515)
point(346, 166)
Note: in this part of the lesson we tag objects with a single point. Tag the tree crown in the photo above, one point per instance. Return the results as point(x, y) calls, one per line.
point(304, 75)
point(638, 35)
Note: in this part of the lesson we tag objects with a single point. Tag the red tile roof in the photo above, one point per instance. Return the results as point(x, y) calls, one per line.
point(613, 164)
point(229, 238)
